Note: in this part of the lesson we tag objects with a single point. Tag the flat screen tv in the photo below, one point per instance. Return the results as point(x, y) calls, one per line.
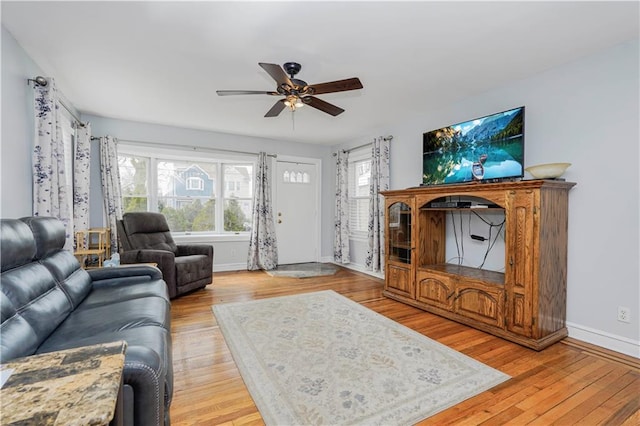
point(488, 148)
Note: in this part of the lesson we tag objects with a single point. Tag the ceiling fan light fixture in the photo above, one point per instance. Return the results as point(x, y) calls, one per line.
point(297, 93)
point(293, 102)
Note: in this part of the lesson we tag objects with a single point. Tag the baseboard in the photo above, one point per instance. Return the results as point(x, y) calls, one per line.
point(605, 340)
point(359, 268)
point(229, 267)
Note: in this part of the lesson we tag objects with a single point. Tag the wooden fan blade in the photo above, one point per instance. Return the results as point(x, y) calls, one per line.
point(244, 92)
point(276, 109)
point(322, 105)
point(336, 86)
point(277, 73)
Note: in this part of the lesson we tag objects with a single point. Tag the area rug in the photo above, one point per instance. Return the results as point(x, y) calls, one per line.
point(322, 359)
point(303, 270)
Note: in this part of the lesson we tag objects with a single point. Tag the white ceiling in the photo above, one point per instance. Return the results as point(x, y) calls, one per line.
point(161, 62)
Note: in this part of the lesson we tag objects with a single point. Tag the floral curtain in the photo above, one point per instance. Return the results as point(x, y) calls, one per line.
point(263, 247)
point(52, 187)
point(111, 192)
point(379, 182)
point(341, 242)
point(81, 177)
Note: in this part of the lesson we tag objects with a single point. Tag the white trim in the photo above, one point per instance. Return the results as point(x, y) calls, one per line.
point(354, 267)
point(228, 267)
point(208, 238)
point(605, 340)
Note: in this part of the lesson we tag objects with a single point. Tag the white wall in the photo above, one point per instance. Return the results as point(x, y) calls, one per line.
point(586, 113)
point(230, 254)
point(17, 129)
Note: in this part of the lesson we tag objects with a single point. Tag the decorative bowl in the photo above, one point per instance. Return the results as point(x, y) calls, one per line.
point(548, 171)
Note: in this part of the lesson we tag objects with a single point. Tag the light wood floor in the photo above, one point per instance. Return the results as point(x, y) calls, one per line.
point(567, 383)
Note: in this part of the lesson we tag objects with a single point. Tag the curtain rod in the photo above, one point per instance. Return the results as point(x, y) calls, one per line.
point(195, 148)
point(41, 81)
point(78, 122)
point(386, 138)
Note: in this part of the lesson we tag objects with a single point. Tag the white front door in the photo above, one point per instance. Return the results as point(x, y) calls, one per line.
point(296, 212)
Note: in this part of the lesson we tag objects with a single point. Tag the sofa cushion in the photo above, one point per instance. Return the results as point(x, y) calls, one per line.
point(34, 306)
point(18, 245)
point(66, 270)
point(48, 233)
point(98, 320)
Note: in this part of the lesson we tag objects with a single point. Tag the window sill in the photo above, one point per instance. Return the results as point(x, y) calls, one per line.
point(209, 238)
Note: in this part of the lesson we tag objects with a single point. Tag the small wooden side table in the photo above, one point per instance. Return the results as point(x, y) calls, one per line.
point(93, 247)
point(81, 386)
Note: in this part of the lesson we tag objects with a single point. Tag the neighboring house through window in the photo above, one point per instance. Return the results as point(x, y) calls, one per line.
point(207, 193)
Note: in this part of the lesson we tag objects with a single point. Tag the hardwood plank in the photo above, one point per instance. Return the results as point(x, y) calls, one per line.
point(567, 383)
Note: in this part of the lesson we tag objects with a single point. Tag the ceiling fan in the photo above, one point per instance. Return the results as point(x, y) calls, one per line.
point(297, 92)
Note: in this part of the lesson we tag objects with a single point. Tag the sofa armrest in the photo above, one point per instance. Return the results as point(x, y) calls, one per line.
point(189, 249)
point(163, 258)
point(145, 382)
point(117, 273)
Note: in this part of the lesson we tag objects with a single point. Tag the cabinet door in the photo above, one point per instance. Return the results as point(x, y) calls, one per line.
point(521, 258)
point(480, 302)
point(435, 290)
point(399, 232)
point(399, 281)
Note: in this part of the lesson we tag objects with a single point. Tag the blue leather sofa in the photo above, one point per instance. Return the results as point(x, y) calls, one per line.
point(48, 303)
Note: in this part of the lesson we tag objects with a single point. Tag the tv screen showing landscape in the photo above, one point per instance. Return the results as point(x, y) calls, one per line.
point(488, 148)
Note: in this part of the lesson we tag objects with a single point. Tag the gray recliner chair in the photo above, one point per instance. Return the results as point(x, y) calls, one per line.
point(145, 238)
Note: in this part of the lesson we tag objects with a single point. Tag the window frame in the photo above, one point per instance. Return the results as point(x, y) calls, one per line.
point(160, 153)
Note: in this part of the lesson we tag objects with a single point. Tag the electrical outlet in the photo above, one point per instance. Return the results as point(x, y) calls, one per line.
point(624, 314)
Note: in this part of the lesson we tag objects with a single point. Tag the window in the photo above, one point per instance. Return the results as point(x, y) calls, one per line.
point(238, 196)
point(359, 177)
point(195, 184)
point(133, 182)
point(203, 194)
point(296, 177)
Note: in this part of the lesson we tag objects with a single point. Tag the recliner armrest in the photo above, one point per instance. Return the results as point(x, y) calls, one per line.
point(189, 249)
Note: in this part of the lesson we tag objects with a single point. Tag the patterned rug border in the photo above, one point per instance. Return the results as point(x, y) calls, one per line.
point(251, 376)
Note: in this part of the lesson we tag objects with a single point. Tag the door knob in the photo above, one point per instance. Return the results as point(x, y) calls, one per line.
point(279, 220)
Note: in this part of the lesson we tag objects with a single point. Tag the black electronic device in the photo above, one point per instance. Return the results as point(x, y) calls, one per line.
point(450, 204)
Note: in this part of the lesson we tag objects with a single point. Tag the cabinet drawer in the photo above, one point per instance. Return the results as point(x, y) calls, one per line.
point(480, 302)
point(435, 289)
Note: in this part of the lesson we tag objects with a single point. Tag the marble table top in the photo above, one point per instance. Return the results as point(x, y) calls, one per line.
point(71, 387)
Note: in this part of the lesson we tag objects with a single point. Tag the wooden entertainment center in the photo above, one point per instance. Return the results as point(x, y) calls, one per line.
point(527, 303)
